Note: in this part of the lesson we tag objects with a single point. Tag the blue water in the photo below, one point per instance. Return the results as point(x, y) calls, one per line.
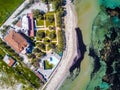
point(54, 60)
point(110, 3)
point(104, 85)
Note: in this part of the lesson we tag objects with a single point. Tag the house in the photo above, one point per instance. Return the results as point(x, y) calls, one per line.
point(31, 25)
point(9, 61)
point(40, 76)
point(26, 25)
point(16, 41)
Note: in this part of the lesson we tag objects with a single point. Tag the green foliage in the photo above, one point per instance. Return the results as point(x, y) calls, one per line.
point(38, 14)
point(40, 35)
point(21, 71)
point(47, 41)
point(50, 18)
point(60, 46)
point(57, 4)
point(7, 7)
point(41, 46)
point(47, 65)
point(52, 45)
point(52, 35)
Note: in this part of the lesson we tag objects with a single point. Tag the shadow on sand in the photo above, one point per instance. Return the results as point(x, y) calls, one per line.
point(81, 49)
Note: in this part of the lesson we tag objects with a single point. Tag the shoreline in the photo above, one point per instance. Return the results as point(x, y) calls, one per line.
point(70, 52)
point(86, 11)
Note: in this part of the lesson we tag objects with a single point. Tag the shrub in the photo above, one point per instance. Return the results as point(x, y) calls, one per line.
point(52, 35)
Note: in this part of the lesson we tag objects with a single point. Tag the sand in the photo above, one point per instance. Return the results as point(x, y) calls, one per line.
point(87, 10)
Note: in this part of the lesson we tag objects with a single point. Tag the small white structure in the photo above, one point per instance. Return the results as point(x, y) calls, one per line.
point(9, 61)
point(25, 24)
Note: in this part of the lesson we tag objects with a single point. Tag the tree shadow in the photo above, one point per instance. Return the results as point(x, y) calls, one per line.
point(81, 49)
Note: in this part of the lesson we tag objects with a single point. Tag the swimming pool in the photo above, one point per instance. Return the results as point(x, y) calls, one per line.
point(53, 60)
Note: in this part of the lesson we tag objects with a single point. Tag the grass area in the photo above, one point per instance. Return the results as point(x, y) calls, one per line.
point(48, 32)
point(38, 35)
point(40, 22)
point(48, 65)
point(48, 23)
point(41, 46)
point(7, 7)
point(2, 53)
point(60, 46)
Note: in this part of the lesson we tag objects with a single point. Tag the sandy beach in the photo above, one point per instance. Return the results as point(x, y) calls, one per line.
point(87, 10)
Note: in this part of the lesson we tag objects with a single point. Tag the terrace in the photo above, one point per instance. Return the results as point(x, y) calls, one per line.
point(48, 64)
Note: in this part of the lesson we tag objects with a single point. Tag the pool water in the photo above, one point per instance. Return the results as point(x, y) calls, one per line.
point(53, 60)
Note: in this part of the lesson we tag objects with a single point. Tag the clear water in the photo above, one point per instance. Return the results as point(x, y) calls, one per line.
point(100, 27)
point(53, 60)
point(110, 3)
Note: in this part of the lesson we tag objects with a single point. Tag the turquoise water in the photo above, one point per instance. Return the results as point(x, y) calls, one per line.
point(53, 60)
point(100, 27)
point(110, 3)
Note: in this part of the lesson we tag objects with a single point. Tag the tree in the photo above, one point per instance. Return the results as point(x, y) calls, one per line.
point(36, 50)
point(52, 35)
point(41, 34)
point(41, 45)
point(38, 14)
point(57, 4)
point(31, 56)
point(52, 45)
point(51, 18)
point(47, 41)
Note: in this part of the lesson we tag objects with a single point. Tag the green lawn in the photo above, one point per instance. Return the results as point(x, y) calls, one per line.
point(49, 32)
point(48, 65)
point(40, 22)
point(38, 37)
point(47, 22)
point(1, 52)
point(7, 7)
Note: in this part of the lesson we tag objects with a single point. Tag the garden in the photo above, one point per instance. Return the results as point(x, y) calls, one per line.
point(46, 38)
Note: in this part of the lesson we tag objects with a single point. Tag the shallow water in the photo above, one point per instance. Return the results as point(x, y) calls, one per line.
point(110, 3)
point(94, 25)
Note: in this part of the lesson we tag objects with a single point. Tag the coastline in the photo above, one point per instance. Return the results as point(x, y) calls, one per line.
point(69, 53)
point(86, 10)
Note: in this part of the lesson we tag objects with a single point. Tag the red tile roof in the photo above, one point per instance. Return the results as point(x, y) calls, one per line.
point(16, 41)
point(31, 32)
point(11, 62)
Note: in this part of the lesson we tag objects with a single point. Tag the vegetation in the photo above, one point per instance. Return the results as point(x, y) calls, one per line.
point(50, 21)
point(40, 22)
point(41, 46)
point(40, 35)
point(22, 73)
point(52, 45)
point(60, 46)
point(47, 40)
point(5, 12)
point(38, 14)
point(47, 65)
point(52, 35)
